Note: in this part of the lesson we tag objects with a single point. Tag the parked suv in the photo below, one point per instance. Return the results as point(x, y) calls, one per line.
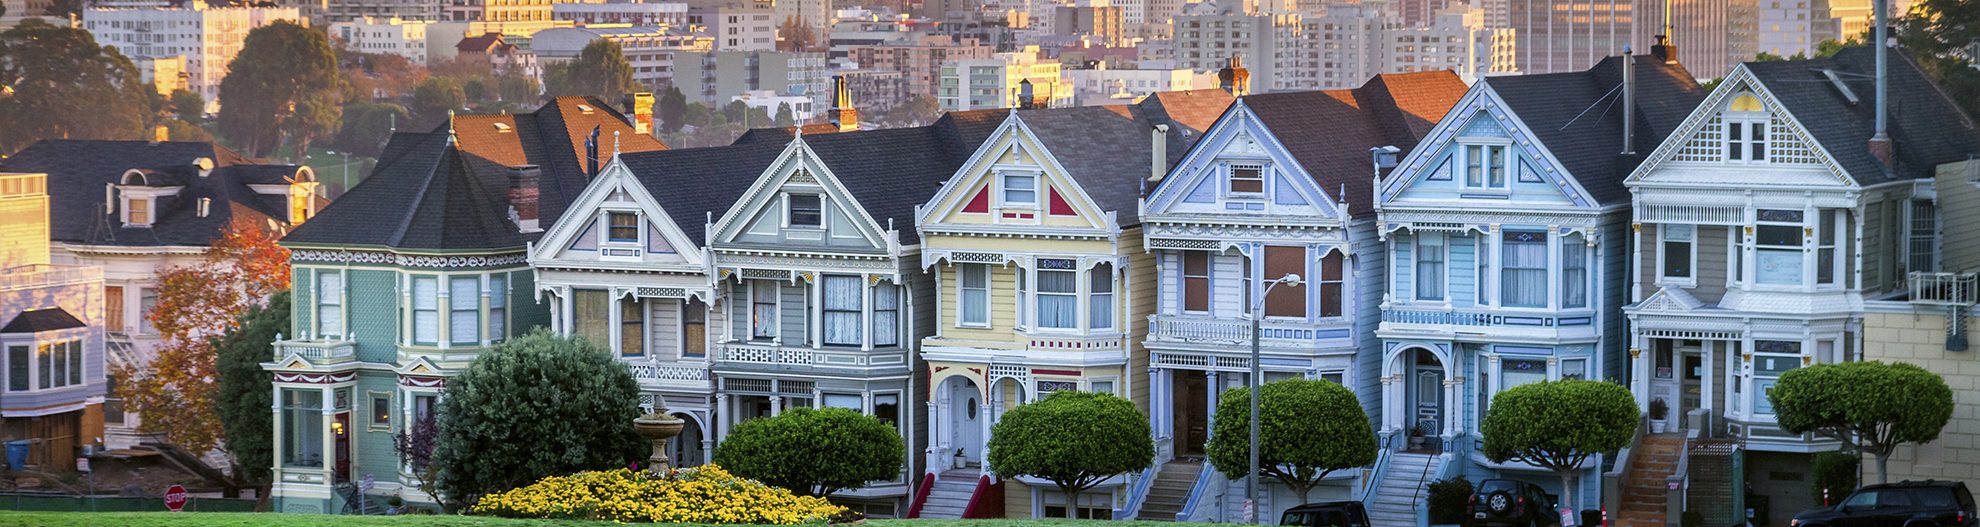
point(1510, 502)
point(1334, 514)
point(1907, 504)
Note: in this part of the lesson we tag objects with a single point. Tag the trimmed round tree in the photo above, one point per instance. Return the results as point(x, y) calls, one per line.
point(534, 406)
point(1074, 440)
point(815, 452)
point(1870, 406)
point(1307, 430)
point(1559, 424)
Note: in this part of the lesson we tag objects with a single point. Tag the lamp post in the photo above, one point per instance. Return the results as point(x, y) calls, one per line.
point(1257, 383)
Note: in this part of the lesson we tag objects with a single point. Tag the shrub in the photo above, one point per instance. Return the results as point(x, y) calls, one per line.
point(814, 452)
point(1073, 439)
point(704, 495)
point(1448, 498)
point(1307, 430)
point(1836, 473)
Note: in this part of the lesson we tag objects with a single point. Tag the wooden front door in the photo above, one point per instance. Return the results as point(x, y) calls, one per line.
point(342, 468)
point(1192, 412)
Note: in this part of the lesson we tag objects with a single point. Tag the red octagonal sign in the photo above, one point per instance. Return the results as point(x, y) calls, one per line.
point(175, 498)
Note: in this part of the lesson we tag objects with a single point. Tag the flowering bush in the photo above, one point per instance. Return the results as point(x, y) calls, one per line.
point(704, 494)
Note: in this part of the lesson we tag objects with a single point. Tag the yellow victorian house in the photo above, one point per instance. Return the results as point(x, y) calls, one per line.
point(1042, 285)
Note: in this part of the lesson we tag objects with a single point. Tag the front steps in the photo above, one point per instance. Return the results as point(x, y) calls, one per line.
point(951, 493)
point(1170, 491)
point(1644, 492)
point(1404, 485)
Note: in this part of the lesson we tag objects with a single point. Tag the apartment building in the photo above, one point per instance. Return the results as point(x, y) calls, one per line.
point(208, 37)
point(391, 36)
point(650, 50)
point(1006, 80)
point(716, 77)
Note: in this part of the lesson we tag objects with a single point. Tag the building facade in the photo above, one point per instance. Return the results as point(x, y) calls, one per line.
point(1007, 80)
point(208, 37)
point(51, 333)
point(651, 51)
point(391, 36)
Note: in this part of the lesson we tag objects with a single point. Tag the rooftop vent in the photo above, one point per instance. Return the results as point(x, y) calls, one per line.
point(501, 128)
point(1841, 87)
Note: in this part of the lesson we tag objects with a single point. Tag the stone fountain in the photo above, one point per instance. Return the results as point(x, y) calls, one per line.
point(658, 427)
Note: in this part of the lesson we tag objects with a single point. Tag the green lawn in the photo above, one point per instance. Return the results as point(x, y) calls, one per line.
point(239, 519)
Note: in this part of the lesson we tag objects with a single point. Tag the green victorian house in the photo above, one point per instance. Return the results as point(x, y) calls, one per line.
point(402, 285)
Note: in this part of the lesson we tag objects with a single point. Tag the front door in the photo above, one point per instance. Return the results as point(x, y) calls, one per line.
point(1690, 388)
point(965, 422)
point(342, 466)
point(1192, 416)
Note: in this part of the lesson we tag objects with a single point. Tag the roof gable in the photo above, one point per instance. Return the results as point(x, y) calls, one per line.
point(578, 238)
point(78, 171)
point(984, 192)
point(1203, 183)
point(1330, 132)
point(762, 215)
point(1696, 153)
point(1435, 171)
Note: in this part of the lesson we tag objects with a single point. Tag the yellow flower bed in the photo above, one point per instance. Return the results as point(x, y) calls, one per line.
point(705, 494)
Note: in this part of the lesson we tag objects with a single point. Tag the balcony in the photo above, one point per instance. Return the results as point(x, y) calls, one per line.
point(759, 355)
point(1197, 329)
point(318, 351)
point(1958, 289)
point(1418, 321)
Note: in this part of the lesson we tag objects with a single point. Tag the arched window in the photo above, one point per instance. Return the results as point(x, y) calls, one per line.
point(1746, 129)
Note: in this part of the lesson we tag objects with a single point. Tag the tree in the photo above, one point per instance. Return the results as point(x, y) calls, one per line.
point(246, 392)
point(180, 130)
point(1072, 439)
point(918, 110)
point(1939, 35)
point(415, 445)
point(1871, 406)
point(1307, 430)
point(784, 115)
point(793, 35)
point(600, 70)
point(178, 393)
point(535, 406)
point(814, 452)
point(368, 125)
point(189, 106)
point(283, 87)
point(435, 97)
point(672, 109)
point(1557, 425)
point(64, 85)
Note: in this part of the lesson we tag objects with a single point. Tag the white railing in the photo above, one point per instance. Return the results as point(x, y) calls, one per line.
point(777, 355)
point(317, 349)
point(1944, 288)
point(654, 371)
point(44, 275)
point(1237, 330)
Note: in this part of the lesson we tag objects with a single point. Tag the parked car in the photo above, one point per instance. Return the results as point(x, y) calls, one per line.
point(1511, 503)
point(1332, 514)
point(1906, 504)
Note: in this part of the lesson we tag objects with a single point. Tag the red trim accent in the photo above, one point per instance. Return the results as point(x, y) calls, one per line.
point(980, 204)
point(987, 501)
point(921, 495)
point(1058, 206)
point(1055, 372)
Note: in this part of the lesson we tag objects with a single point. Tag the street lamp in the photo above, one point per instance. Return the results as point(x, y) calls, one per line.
point(1257, 383)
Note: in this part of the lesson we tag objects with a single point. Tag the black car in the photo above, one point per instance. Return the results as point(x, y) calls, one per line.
point(1510, 502)
point(1907, 504)
point(1333, 514)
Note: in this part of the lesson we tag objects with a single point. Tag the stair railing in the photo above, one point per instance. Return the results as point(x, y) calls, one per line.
point(1198, 492)
point(1677, 486)
point(1138, 493)
point(1447, 466)
point(921, 495)
point(1613, 480)
point(1372, 481)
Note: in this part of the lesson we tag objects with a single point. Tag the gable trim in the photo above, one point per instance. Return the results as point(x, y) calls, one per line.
point(798, 155)
point(981, 165)
point(1740, 78)
point(578, 217)
point(1481, 99)
point(1239, 118)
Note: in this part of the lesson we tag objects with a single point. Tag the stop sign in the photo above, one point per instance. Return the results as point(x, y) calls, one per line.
point(175, 498)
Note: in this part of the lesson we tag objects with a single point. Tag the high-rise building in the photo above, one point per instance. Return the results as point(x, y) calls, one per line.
point(1007, 80)
point(740, 26)
point(1348, 43)
point(208, 37)
point(1208, 35)
point(715, 77)
point(1572, 35)
point(392, 36)
point(1711, 35)
point(920, 62)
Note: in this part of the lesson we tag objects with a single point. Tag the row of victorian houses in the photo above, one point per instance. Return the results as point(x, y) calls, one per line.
point(1454, 241)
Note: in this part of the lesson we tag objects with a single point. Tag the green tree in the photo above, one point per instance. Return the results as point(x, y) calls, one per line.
point(784, 115)
point(246, 392)
point(600, 70)
point(672, 110)
point(535, 406)
point(1307, 430)
point(1557, 425)
point(284, 87)
point(1940, 35)
point(1871, 406)
point(1072, 439)
point(814, 452)
point(188, 106)
point(367, 125)
point(435, 97)
point(56, 82)
point(180, 130)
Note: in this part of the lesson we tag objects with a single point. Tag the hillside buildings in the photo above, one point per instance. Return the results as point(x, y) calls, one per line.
point(208, 37)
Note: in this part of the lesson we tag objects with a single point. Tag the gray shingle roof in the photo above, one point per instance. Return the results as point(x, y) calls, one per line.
point(78, 170)
point(1926, 127)
point(39, 320)
point(424, 194)
point(1589, 145)
point(1330, 132)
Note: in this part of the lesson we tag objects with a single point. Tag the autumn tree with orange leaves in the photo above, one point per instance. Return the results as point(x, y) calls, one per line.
point(175, 394)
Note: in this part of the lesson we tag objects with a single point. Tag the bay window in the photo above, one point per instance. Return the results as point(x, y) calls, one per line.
point(1333, 284)
point(1022, 300)
point(591, 314)
point(1679, 254)
point(1574, 369)
point(1430, 266)
point(302, 428)
point(464, 309)
point(1828, 225)
point(1058, 295)
point(763, 309)
point(1771, 359)
point(632, 327)
point(1518, 372)
point(426, 310)
point(842, 310)
point(975, 294)
point(1523, 269)
point(19, 360)
point(1574, 271)
point(1100, 297)
point(329, 304)
point(886, 314)
point(1778, 252)
point(1285, 300)
point(1484, 276)
point(1196, 281)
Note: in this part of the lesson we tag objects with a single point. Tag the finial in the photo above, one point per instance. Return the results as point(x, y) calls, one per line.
point(615, 143)
point(451, 139)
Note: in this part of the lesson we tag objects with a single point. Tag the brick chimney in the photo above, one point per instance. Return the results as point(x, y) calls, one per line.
point(523, 191)
point(639, 112)
point(1234, 78)
point(160, 134)
point(843, 113)
point(1025, 94)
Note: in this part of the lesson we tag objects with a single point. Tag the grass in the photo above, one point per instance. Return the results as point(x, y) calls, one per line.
point(246, 519)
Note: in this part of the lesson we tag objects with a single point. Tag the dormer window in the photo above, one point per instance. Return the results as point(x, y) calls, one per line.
point(622, 227)
point(1247, 180)
point(1746, 130)
point(137, 212)
point(807, 210)
point(1020, 190)
point(1485, 167)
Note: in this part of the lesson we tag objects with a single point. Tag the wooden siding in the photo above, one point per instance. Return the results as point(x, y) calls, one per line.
point(1141, 285)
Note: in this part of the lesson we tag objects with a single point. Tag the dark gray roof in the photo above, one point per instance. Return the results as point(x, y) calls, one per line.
point(1330, 132)
point(698, 185)
point(424, 194)
point(1589, 144)
point(40, 320)
point(1926, 128)
point(78, 170)
point(1108, 149)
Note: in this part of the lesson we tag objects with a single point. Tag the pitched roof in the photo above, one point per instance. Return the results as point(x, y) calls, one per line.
point(1330, 132)
point(426, 193)
point(1575, 115)
point(39, 320)
point(78, 170)
point(1925, 126)
point(480, 43)
point(561, 127)
point(784, 133)
point(1195, 110)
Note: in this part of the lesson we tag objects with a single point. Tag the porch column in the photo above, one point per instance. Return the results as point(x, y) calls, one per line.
point(1705, 383)
point(1639, 384)
point(329, 413)
point(1453, 384)
point(983, 450)
point(776, 405)
point(276, 457)
point(937, 434)
point(1392, 395)
point(723, 414)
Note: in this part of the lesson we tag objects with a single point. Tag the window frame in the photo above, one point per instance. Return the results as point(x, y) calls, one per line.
point(1208, 295)
point(1039, 297)
point(610, 238)
point(775, 333)
point(884, 293)
point(1097, 299)
point(1231, 180)
point(1800, 248)
point(455, 309)
point(1740, 145)
point(330, 304)
point(1443, 258)
point(132, 206)
point(495, 325)
point(1286, 293)
point(1488, 152)
point(1505, 251)
point(1334, 263)
point(1575, 246)
point(963, 290)
point(1664, 243)
point(857, 311)
point(414, 311)
point(816, 215)
point(1004, 189)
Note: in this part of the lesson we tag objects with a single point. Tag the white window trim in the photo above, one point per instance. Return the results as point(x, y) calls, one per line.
point(638, 245)
point(1209, 280)
point(150, 210)
point(1806, 248)
point(1505, 161)
point(785, 198)
point(1230, 169)
point(1743, 120)
point(1415, 255)
point(988, 290)
point(1662, 279)
point(34, 341)
point(1078, 294)
point(343, 303)
point(1037, 190)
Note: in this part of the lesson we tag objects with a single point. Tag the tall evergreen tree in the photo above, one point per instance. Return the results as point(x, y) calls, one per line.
point(246, 392)
point(600, 70)
point(56, 82)
point(283, 88)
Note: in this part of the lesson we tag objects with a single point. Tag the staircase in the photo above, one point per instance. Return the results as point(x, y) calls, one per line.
point(951, 493)
point(1403, 486)
point(1644, 493)
point(1170, 491)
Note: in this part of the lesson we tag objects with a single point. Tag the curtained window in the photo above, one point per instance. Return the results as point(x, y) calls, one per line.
point(1100, 297)
point(591, 315)
point(632, 327)
point(329, 304)
point(1058, 299)
point(763, 309)
point(1523, 271)
point(842, 310)
point(498, 307)
point(426, 310)
point(464, 310)
point(1679, 246)
point(1430, 266)
point(1333, 284)
point(975, 294)
point(1285, 300)
point(1196, 281)
point(694, 328)
point(1574, 272)
point(886, 314)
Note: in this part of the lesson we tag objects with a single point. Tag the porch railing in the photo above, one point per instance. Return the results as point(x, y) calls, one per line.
point(317, 350)
point(1944, 288)
point(1183, 328)
point(800, 356)
point(656, 371)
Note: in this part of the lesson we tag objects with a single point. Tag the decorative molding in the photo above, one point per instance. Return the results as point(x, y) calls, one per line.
point(405, 260)
point(800, 262)
point(660, 292)
point(315, 378)
point(419, 381)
